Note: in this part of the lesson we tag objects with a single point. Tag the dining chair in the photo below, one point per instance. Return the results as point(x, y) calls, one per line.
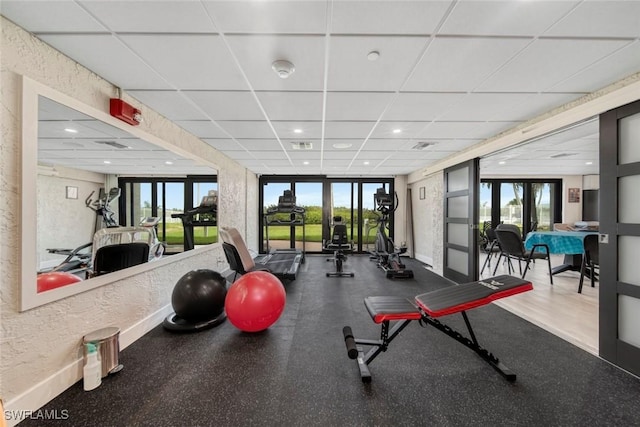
point(590, 259)
point(490, 245)
point(512, 247)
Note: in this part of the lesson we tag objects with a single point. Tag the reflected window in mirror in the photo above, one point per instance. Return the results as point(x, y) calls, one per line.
point(184, 208)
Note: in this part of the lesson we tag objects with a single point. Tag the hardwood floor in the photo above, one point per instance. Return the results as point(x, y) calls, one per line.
point(557, 308)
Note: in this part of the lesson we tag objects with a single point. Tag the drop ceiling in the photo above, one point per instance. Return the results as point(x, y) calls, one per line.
point(449, 73)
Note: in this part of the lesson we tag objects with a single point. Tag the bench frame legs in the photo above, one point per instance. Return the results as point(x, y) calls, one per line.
point(356, 351)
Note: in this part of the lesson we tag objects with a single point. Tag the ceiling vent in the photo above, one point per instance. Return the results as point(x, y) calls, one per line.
point(112, 144)
point(559, 155)
point(422, 145)
point(301, 145)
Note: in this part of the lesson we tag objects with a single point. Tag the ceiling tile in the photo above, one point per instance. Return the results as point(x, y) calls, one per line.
point(49, 16)
point(250, 16)
point(355, 106)
point(292, 105)
point(91, 50)
point(398, 55)
point(546, 62)
point(287, 129)
point(222, 144)
point(614, 67)
point(504, 17)
point(348, 129)
point(260, 144)
point(600, 19)
point(151, 16)
point(226, 105)
point(256, 54)
point(197, 61)
point(202, 128)
point(421, 106)
point(440, 70)
point(387, 17)
point(407, 129)
point(170, 103)
point(464, 130)
point(506, 106)
point(247, 129)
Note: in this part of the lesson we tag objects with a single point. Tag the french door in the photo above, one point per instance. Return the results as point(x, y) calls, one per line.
point(620, 236)
point(461, 201)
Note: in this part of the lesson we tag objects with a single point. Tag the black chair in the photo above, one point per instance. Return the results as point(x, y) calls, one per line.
point(490, 245)
point(339, 244)
point(512, 247)
point(590, 260)
point(117, 257)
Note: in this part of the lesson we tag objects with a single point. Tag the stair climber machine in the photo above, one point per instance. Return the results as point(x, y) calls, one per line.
point(386, 254)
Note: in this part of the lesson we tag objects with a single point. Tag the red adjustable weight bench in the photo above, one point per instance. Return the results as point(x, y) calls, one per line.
point(426, 308)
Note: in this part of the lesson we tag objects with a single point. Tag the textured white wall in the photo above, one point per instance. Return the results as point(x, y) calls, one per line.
point(62, 222)
point(427, 220)
point(41, 342)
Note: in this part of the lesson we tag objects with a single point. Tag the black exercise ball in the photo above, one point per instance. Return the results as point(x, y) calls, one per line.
point(199, 295)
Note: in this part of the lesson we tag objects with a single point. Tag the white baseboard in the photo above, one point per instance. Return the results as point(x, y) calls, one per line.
point(425, 259)
point(40, 394)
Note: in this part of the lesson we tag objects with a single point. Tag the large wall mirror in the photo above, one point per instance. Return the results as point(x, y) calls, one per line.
point(90, 181)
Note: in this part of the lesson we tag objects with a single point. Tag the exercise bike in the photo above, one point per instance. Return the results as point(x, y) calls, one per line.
point(386, 254)
point(339, 245)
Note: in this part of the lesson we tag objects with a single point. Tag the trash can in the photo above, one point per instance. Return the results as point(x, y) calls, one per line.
point(107, 341)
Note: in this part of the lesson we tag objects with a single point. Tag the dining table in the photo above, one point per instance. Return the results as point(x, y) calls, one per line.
point(568, 243)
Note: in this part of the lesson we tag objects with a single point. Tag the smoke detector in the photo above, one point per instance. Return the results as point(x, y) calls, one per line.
point(283, 68)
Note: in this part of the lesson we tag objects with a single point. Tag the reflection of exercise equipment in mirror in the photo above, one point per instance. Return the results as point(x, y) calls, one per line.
point(102, 207)
point(286, 213)
point(112, 249)
point(204, 215)
point(386, 254)
point(339, 244)
point(282, 264)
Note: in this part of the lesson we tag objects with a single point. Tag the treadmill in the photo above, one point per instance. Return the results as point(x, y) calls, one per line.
point(204, 215)
point(282, 264)
point(285, 214)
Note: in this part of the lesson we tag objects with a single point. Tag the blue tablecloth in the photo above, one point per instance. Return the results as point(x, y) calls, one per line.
point(559, 242)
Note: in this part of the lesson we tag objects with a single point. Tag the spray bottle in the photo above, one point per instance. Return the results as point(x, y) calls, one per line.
point(92, 368)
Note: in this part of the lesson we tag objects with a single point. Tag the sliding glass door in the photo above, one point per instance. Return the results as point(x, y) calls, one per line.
point(323, 198)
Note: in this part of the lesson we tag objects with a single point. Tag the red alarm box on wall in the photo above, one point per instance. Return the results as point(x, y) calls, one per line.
point(125, 112)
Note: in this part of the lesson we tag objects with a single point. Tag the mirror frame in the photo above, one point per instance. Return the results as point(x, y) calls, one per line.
point(29, 297)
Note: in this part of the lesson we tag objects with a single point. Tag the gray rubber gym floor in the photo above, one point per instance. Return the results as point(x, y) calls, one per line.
point(297, 373)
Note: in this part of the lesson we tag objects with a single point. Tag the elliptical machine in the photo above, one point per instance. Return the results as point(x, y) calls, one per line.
point(386, 254)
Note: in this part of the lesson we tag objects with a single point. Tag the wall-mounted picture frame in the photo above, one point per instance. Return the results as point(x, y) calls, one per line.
point(574, 195)
point(72, 192)
point(423, 194)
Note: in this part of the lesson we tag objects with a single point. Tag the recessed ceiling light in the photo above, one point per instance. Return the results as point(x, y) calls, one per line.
point(502, 162)
point(107, 162)
point(341, 145)
point(168, 162)
point(305, 163)
point(70, 130)
point(373, 55)
point(297, 131)
point(365, 162)
point(589, 163)
point(397, 130)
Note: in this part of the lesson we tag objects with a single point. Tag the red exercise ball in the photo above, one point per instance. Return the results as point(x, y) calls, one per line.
point(55, 279)
point(255, 301)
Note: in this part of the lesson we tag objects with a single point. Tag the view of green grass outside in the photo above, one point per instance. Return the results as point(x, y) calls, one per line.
point(313, 225)
point(201, 235)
